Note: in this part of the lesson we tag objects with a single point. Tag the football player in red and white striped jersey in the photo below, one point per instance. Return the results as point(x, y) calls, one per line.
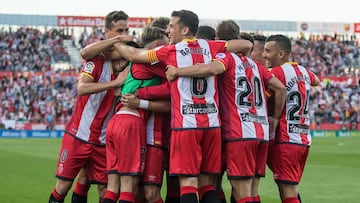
point(288, 153)
point(83, 144)
point(195, 122)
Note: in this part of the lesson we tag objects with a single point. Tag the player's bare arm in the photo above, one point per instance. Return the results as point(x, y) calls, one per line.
point(239, 46)
point(87, 85)
point(104, 47)
point(279, 97)
point(133, 102)
point(317, 80)
point(198, 70)
point(137, 55)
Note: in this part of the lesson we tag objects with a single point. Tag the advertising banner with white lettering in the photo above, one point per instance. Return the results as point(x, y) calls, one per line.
point(97, 21)
point(31, 133)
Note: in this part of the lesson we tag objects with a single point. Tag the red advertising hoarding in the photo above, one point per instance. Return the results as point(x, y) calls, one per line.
point(96, 21)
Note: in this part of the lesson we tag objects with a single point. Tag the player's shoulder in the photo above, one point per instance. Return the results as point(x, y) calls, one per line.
point(140, 65)
point(90, 65)
point(98, 59)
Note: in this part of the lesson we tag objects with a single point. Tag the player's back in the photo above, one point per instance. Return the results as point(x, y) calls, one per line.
point(242, 97)
point(295, 119)
point(195, 100)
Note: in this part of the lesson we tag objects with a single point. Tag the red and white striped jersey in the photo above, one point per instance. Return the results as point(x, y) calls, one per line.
point(243, 106)
point(194, 101)
point(157, 129)
point(294, 123)
point(93, 112)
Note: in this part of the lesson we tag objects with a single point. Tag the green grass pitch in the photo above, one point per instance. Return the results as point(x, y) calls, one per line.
point(332, 173)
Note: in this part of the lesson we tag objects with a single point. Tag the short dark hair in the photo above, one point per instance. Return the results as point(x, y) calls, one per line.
point(282, 42)
point(113, 17)
point(160, 22)
point(151, 33)
point(247, 36)
point(258, 37)
point(206, 32)
point(187, 19)
point(227, 30)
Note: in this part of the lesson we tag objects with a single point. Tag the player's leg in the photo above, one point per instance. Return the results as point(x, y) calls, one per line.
point(172, 183)
point(290, 174)
point(152, 194)
point(260, 170)
point(185, 162)
point(172, 189)
point(207, 191)
point(73, 154)
point(129, 187)
point(101, 191)
point(113, 179)
point(131, 144)
point(210, 165)
point(188, 189)
point(219, 188)
point(58, 194)
point(153, 173)
point(288, 193)
point(113, 189)
point(255, 189)
point(241, 165)
point(81, 188)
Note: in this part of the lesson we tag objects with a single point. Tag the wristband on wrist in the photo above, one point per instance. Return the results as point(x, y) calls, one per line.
point(144, 104)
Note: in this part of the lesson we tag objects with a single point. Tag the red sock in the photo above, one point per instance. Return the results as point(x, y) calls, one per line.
point(56, 195)
point(245, 200)
point(256, 199)
point(221, 194)
point(127, 196)
point(81, 189)
point(291, 200)
point(111, 195)
point(205, 189)
point(187, 190)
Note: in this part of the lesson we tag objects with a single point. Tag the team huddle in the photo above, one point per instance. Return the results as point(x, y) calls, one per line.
point(189, 101)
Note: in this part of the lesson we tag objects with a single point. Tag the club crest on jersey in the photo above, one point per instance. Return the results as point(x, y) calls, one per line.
point(89, 67)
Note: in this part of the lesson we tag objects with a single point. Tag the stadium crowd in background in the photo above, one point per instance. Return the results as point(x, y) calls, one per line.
point(26, 52)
